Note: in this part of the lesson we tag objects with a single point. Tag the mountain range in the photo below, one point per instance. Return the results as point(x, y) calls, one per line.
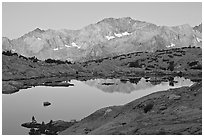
point(108, 37)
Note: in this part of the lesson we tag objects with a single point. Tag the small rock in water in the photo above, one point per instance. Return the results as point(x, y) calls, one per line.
point(46, 104)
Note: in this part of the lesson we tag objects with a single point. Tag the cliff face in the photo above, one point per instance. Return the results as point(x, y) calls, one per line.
point(105, 38)
point(198, 28)
point(175, 111)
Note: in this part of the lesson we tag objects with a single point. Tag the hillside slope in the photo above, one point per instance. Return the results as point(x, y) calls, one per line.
point(175, 111)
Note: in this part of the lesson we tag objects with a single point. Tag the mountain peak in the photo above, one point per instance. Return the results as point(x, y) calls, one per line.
point(109, 20)
point(38, 30)
point(126, 18)
point(106, 20)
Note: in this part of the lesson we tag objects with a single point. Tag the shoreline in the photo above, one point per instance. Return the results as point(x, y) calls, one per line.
point(20, 72)
point(175, 111)
point(12, 86)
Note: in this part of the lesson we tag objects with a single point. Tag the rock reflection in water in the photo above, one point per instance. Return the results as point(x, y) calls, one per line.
point(132, 84)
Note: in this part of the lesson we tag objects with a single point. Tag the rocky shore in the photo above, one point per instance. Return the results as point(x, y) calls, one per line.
point(51, 128)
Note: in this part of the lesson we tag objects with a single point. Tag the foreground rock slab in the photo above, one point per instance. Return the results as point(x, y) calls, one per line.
point(175, 111)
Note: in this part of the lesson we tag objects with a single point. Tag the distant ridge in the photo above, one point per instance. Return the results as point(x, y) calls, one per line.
point(110, 36)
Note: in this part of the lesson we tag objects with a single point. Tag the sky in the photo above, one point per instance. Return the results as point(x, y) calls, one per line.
point(20, 18)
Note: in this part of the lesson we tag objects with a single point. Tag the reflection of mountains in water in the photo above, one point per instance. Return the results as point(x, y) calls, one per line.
point(132, 84)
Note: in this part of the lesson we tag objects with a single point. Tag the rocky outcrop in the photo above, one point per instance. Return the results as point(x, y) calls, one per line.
point(198, 28)
point(51, 128)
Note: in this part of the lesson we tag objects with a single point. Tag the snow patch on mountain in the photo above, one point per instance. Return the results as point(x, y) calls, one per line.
point(121, 34)
point(39, 38)
point(110, 37)
point(172, 45)
point(56, 49)
point(75, 45)
point(199, 40)
point(118, 35)
point(67, 46)
point(125, 33)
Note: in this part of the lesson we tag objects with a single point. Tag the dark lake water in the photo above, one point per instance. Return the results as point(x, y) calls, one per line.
point(75, 102)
